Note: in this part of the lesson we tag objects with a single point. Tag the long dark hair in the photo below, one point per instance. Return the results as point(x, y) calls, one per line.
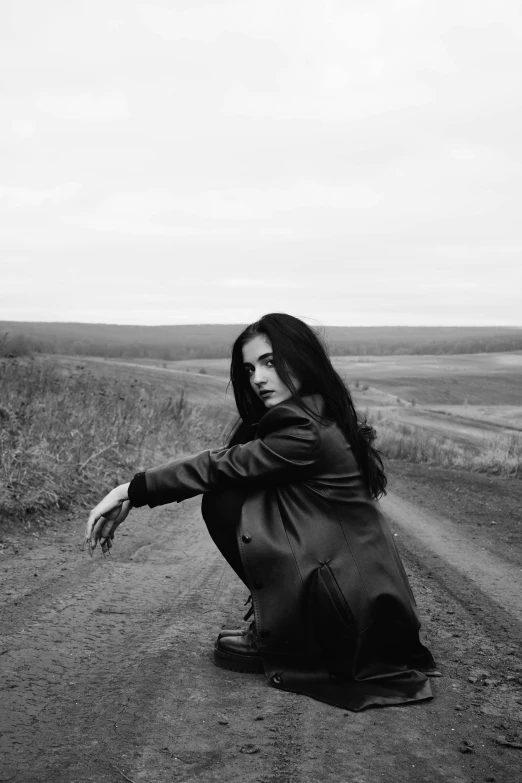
point(299, 351)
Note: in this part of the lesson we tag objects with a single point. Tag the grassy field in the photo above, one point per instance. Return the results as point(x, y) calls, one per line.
point(202, 388)
point(71, 428)
point(70, 431)
point(509, 416)
point(474, 379)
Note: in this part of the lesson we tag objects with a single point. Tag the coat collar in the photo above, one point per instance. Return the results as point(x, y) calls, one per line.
point(313, 402)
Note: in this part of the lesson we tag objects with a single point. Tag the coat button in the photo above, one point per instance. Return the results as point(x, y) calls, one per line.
point(258, 585)
point(245, 538)
point(276, 679)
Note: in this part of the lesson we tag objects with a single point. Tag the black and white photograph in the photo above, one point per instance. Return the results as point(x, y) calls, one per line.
point(261, 391)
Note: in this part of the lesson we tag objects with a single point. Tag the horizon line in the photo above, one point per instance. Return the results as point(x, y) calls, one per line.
point(236, 323)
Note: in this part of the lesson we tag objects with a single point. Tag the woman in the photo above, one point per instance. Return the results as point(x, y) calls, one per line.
point(290, 502)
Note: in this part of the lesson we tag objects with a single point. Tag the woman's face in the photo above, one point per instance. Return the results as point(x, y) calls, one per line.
point(259, 365)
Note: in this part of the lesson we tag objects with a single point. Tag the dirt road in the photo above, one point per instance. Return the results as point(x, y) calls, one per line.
point(107, 671)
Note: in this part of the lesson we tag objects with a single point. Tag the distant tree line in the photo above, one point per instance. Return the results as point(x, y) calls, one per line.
point(492, 344)
point(211, 341)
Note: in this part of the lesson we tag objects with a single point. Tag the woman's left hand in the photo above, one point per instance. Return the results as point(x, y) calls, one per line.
point(107, 527)
point(106, 517)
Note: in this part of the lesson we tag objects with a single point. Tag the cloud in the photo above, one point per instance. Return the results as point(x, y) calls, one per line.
point(133, 212)
point(143, 228)
point(158, 212)
point(23, 128)
point(462, 154)
point(330, 65)
point(107, 107)
point(316, 96)
point(174, 25)
point(241, 282)
point(25, 197)
point(474, 252)
point(16, 260)
point(270, 139)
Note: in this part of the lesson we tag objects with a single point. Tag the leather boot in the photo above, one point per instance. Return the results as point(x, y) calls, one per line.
point(238, 653)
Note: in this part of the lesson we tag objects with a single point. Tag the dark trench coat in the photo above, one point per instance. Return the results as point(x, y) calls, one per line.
point(334, 612)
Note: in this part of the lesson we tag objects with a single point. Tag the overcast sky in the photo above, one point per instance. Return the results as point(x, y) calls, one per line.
point(352, 162)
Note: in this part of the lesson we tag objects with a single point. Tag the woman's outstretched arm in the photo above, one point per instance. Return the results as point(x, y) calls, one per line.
point(285, 451)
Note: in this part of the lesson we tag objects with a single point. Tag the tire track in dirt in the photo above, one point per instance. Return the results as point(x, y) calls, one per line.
point(465, 427)
point(107, 666)
point(76, 646)
point(205, 378)
point(498, 580)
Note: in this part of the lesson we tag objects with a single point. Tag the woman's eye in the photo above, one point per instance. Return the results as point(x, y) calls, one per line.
point(269, 362)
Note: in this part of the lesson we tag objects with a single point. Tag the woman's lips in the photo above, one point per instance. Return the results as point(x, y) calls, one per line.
point(265, 394)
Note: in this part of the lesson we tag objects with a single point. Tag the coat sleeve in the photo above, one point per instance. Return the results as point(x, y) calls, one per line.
point(285, 451)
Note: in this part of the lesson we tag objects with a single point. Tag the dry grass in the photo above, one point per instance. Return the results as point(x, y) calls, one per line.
point(499, 454)
point(67, 438)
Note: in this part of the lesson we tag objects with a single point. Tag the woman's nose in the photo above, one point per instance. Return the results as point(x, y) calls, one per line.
point(259, 378)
